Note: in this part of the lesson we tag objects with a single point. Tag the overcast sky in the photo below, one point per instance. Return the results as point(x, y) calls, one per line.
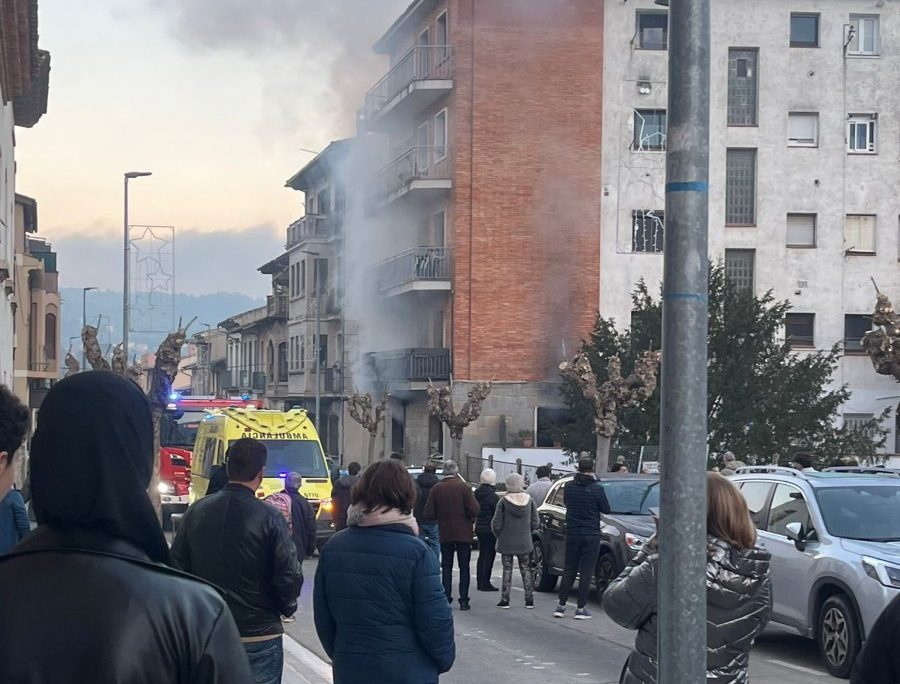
point(215, 97)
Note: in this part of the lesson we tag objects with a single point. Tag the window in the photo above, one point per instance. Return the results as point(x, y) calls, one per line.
point(859, 234)
point(323, 200)
point(440, 135)
point(320, 276)
point(739, 268)
point(742, 86)
point(855, 326)
point(323, 351)
point(801, 230)
point(282, 362)
point(652, 30)
point(740, 187)
point(860, 422)
point(422, 147)
point(647, 228)
point(440, 224)
point(799, 329)
point(803, 129)
point(423, 64)
point(556, 497)
point(649, 130)
point(442, 35)
point(788, 505)
point(50, 338)
point(302, 289)
point(756, 494)
point(861, 133)
point(863, 34)
point(804, 30)
point(302, 352)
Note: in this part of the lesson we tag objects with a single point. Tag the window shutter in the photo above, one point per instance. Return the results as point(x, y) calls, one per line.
point(801, 230)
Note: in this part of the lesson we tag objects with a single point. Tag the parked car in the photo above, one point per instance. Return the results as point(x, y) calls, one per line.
point(835, 544)
point(622, 532)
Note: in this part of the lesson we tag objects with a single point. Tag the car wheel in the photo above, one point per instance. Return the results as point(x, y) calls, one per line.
point(606, 572)
point(543, 580)
point(838, 635)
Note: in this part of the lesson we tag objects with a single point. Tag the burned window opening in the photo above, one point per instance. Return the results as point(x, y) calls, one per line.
point(647, 231)
point(649, 130)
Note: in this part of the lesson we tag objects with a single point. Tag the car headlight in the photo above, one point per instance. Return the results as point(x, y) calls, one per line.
point(886, 574)
point(635, 542)
point(326, 505)
point(164, 488)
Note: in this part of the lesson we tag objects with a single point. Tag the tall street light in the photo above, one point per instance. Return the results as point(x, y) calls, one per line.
point(84, 292)
point(126, 295)
point(316, 342)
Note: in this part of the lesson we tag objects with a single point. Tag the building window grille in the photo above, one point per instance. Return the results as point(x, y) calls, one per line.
point(742, 86)
point(740, 187)
point(859, 422)
point(739, 265)
point(652, 30)
point(647, 231)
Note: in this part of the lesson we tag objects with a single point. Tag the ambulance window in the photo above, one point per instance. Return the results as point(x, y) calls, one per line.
point(208, 451)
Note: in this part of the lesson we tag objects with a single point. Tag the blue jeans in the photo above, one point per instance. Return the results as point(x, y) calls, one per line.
point(266, 660)
point(428, 533)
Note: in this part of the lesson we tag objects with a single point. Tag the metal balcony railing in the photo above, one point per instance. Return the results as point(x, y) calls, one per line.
point(417, 163)
point(312, 226)
point(411, 365)
point(414, 265)
point(245, 378)
point(425, 62)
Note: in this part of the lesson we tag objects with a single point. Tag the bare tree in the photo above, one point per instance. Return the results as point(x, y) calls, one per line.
point(72, 365)
point(610, 397)
point(367, 413)
point(92, 351)
point(440, 404)
point(882, 342)
point(119, 359)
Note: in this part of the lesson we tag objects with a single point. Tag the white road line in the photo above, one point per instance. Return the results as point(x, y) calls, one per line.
point(311, 664)
point(799, 668)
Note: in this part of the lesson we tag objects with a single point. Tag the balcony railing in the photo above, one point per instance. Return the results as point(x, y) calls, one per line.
point(417, 163)
point(426, 62)
point(312, 226)
point(41, 366)
point(411, 365)
point(245, 378)
point(277, 306)
point(414, 265)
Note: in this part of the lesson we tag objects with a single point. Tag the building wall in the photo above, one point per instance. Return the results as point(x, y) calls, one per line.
point(7, 238)
point(824, 180)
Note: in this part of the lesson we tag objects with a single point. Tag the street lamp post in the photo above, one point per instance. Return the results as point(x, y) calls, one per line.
point(126, 295)
point(318, 333)
point(84, 292)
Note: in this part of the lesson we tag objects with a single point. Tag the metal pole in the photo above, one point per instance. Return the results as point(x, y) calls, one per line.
point(318, 352)
point(682, 587)
point(83, 320)
point(126, 322)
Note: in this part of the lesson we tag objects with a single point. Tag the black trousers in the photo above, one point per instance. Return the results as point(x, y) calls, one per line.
point(463, 553)
point(487, 552)
point(581, 558)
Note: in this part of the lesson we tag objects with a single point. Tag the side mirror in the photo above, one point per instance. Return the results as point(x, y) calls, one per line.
point(795, 534)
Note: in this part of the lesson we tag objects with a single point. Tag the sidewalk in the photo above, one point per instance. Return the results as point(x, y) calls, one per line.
point(302, 666)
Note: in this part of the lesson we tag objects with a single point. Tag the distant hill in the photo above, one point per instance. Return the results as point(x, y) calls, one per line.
point(208, 308)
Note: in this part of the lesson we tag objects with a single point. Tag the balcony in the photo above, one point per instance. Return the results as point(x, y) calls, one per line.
point(277, 306)
point(318, 227)
point(415, 270)
point(416, 81)
point(248, 378)
point(419, 174)
point(410, 369)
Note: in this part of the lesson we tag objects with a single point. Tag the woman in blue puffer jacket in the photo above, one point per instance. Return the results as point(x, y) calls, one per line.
point(380, 609)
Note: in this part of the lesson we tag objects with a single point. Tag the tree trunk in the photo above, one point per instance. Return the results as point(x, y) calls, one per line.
point(154, 479)
point(455, 452)
point(372, 440)
point(602, 461)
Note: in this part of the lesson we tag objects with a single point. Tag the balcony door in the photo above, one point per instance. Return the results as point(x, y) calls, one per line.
point(423, 61)
point(421, 150)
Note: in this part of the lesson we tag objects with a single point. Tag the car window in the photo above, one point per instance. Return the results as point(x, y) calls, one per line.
point(865, 512)
point(756, 494)
point(788, 505)
point(556, 496)
point(634, 497)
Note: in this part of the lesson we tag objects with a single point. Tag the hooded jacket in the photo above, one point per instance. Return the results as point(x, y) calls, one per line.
point(340, 499)
point(514, 522)
point(731, 467)
point(96, 559)
point(486, 496)
point(380, 610)
point(738, 603)
point(424, 482)
point(585, 500)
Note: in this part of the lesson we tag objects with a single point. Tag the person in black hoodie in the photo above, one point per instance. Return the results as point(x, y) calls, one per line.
point(340, 495)
point(879, 660)
point(98, 559)
point(428, 527)
point(585, 500)
point(486, 496)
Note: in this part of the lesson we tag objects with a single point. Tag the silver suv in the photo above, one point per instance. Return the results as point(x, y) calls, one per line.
point(835, 544)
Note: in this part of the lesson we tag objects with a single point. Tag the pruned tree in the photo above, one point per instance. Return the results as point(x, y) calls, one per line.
point(609, 398)
point(92, 352)
point(135, 371)
point(882, 342)
point(440, 404)
point(368, 413)
point(72, 365)
point(119, 359)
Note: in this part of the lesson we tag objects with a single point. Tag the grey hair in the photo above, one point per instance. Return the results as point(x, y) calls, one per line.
point(450, 468)
point(293, 480)
point(728, 457)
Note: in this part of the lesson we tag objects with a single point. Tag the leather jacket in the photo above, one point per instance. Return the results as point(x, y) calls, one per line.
point(83, 606)
point(738, 603)
point(242, 545)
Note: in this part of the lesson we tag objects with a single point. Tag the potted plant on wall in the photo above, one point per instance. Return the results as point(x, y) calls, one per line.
point(527, 437)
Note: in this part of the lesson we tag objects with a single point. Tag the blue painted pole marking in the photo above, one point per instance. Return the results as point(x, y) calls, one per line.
point(685, 295)
point(688, 186)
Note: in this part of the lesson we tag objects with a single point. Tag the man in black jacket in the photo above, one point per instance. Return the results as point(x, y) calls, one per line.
point(428, 527)
point(303, 518)
point(585, 500)
point(340, 495)
point(237, 542)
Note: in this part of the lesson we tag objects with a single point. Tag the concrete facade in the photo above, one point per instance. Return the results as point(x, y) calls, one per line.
point(829, 277)
point(7, 244)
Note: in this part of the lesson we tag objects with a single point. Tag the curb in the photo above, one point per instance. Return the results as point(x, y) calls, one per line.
point(302, 666)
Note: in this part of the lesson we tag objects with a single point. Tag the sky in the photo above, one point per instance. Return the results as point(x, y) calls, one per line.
point(216, 98)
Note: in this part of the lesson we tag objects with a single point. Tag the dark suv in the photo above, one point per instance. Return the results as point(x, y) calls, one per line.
point(622, 532)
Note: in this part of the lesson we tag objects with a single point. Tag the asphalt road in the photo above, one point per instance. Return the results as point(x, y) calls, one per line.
point(493, 645)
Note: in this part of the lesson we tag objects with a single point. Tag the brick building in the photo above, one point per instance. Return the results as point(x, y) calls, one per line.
point(481, 233)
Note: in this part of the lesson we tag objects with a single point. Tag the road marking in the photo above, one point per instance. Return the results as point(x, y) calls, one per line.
point(799, 668)
point(312, 664)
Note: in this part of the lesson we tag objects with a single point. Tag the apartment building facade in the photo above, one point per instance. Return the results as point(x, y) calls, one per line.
point(804, 149)
point(480, 234)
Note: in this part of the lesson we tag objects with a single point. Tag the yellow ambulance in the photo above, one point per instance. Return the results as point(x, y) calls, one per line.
point(293, 446)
